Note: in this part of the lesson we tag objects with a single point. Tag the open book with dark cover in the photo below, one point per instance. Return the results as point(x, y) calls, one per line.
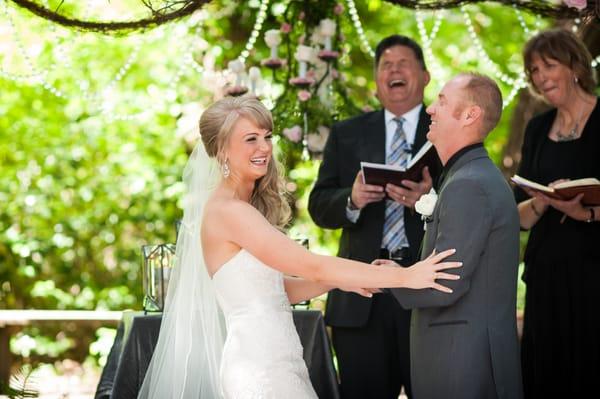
point(381, 174)
point(590, 187)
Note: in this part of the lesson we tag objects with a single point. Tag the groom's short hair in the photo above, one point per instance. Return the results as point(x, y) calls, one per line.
point(483, 91)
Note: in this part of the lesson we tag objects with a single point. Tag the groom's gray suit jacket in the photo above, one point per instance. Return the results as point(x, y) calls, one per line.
point(464, 345)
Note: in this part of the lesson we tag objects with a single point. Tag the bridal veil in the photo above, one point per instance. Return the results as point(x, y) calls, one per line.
point(186, 360)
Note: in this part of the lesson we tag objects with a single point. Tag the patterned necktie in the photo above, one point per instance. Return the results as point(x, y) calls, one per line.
point(393, 226)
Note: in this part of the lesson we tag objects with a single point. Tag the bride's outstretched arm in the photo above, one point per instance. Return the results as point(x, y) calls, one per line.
point(299, 289)
point(243, 225)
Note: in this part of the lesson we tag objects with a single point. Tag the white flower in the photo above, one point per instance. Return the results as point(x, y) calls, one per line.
point(317, 37)
point(273, 37)
point(304, 53)
point(327, 27)
point(316, 141)
point(323, 131)
point(426, 204)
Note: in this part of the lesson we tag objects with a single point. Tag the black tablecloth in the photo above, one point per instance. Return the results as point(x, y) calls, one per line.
point(126, 365)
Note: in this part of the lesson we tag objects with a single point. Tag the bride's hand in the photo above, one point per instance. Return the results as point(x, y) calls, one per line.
point(366, 292)
point(424, 274)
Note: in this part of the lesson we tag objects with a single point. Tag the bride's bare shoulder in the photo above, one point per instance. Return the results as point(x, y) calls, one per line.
point(223, 208)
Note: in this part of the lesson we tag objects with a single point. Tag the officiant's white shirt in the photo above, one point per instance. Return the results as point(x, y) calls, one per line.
point(411, 120)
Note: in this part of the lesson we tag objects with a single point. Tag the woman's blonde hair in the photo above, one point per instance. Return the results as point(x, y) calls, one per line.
point(216, 126)
point(566, 48)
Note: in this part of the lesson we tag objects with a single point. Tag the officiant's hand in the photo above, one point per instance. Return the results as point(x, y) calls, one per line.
point(412, 191)
point(572, 208)
point(543, 201)
point(363, 194)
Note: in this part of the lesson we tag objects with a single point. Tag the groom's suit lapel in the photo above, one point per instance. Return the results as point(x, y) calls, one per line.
point(432, 228)
point(462, 161)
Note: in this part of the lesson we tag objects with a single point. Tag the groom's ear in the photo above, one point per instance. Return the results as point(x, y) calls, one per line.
point(472, 114)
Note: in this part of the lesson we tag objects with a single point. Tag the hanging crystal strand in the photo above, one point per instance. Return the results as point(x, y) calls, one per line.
point(258, 23)
point(364, 43)
point(305, 154)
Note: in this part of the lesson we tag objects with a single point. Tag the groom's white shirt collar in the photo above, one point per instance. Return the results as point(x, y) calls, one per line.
point(411, 120)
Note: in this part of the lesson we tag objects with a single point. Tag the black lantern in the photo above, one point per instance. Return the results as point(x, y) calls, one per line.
point(304, 304)
point(157, 268)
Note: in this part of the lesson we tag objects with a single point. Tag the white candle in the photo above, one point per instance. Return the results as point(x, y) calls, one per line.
point(327, 30)
point(254, 75)
point(237, 67)
point(302, 69)
point(273, 39)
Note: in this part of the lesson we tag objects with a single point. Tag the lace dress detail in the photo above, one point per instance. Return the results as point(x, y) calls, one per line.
point(262, 357)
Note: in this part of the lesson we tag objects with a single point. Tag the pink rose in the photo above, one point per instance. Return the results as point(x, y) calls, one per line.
point(285, 28)
point(578, 4)
point(294, 133)
point(338, 9)
point(304, 95)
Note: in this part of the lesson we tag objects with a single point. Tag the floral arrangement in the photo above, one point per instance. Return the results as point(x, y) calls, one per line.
point(303, 58)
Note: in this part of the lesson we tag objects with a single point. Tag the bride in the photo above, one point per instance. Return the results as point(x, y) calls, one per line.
point(234, 267)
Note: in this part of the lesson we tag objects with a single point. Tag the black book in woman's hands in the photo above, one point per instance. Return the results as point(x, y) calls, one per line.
point(590, 187)
point(379, 174)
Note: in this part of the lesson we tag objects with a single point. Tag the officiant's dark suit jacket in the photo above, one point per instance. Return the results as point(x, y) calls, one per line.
point(351, 141)
point(464, 345)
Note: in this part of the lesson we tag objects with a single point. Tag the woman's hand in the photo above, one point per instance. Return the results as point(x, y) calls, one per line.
point(541, 201)
point(366, 292)
point(424, 274)
point(572, 208)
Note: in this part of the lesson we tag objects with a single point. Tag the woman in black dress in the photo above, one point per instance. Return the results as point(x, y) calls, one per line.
point(561, 333)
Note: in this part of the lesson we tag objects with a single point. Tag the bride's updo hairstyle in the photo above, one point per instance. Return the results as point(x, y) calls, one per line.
point(216, 125)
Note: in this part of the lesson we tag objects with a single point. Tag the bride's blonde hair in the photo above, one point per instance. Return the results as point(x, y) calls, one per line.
point(216, 125)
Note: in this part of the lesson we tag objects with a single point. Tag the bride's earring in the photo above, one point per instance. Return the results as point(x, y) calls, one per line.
point(225, 170)
point(576, 80)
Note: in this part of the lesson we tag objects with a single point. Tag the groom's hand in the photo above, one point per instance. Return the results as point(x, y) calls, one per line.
point(363, 194)
point(412, 191)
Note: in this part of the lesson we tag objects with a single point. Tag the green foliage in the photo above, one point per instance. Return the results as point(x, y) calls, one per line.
point(100, 348)
point(21, 385)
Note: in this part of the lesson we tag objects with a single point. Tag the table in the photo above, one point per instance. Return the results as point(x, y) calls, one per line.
point(132, 350)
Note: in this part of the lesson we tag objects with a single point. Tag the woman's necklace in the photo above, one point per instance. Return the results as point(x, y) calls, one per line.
point(571, 134)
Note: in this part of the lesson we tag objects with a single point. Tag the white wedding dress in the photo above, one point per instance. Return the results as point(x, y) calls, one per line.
point(262, 356)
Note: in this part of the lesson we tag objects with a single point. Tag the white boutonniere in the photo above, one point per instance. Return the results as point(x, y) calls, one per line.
point(425, 206)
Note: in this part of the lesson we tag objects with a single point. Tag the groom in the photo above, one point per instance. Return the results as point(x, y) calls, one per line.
point(464, 345)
